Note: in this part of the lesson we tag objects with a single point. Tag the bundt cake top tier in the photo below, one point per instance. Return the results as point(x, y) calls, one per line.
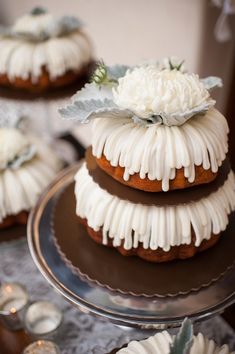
point(153, 125)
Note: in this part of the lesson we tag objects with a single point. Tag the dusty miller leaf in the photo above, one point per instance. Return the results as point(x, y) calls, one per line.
point(212, 82)
point(83, 111)
point(179, 118)
point(183, 340)
point(91, 102)
point(117, 71)
point(10, 117)
point(153, 120)
point(26, 155)
point(65, 25)
point(92, 91)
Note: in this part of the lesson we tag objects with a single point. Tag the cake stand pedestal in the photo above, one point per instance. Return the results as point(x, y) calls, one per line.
point(122, 309)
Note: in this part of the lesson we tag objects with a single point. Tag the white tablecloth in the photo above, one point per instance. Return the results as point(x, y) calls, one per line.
point(82, 333)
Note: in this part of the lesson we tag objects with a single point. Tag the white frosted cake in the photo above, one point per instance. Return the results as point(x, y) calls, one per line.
point(41, 50)
point(162, 187)
point(27, 166)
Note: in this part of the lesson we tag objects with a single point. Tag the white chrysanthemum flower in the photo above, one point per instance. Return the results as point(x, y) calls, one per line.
point(147, 91)
point(34, 24)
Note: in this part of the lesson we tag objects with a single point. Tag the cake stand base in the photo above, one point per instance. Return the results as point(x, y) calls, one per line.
point(123, 309)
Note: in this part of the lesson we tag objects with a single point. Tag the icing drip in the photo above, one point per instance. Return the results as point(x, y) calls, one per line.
point(152, 226)
point(24, 59)
point(160, 344)
point(20, 188)
point(157, 151)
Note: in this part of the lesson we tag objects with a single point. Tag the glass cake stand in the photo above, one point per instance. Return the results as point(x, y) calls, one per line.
point(125, 310)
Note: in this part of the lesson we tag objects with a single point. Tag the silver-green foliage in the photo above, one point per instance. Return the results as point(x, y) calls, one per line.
point(183, 340)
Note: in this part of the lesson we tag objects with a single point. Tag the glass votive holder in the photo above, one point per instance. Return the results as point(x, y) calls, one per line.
point(42, 347)
point(43, 319)
point(14, 299)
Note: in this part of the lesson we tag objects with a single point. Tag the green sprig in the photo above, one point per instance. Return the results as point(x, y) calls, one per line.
point(38, 11)
point(175, 67)
point(101, 76)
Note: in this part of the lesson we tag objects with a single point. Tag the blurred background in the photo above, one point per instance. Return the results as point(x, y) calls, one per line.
point(131, 31)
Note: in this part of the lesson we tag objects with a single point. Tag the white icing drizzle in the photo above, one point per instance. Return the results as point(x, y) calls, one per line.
point(160, 344)
point(152, 226)
point(20, 188)
point(23, 59)
point(157, 151)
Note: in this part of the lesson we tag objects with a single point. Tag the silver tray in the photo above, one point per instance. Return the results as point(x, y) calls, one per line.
point(124, 310)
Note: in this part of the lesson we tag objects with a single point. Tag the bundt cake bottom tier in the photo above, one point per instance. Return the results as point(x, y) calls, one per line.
point(18, 219)
point(159, 255)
